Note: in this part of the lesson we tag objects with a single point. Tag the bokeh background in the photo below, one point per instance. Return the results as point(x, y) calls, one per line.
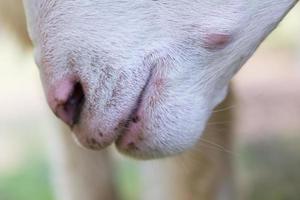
point(267, 122)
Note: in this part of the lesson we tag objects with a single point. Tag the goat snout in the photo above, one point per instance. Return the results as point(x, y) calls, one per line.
point(66, 99)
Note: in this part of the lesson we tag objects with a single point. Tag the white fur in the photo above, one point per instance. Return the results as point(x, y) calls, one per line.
point(115, 46)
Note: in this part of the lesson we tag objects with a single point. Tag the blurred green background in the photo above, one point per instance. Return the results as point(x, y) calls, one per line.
point(268, 115)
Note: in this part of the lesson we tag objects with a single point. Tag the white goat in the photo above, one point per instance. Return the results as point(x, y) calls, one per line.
point(146, 75)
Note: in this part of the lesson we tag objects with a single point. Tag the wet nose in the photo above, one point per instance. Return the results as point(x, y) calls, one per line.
point(66, 99)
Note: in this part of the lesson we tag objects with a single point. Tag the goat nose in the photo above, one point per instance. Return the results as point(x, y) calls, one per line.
point(66, 99)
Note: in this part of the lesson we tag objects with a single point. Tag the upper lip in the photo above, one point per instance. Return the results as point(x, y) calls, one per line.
point(133, 116)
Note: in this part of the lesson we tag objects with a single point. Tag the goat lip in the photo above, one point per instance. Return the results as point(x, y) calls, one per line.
point(133, 117)
point(126, 124)
point(126, 131)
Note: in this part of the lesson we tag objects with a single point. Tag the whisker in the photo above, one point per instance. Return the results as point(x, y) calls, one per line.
point(225, 108)
point(220, 122)
point(218, 147)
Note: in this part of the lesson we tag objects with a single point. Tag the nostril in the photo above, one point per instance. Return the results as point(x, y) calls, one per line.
point(70, 108)
point(74, 103)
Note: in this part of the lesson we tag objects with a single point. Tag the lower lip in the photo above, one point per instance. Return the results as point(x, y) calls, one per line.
point(129, 135)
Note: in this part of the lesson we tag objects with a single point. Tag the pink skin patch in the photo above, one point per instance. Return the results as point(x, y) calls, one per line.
point(133, 133)
point(131, 136)
point(215, 41)
point(58, 96)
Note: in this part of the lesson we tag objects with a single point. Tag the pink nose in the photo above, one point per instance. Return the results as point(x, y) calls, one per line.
point(66, 99)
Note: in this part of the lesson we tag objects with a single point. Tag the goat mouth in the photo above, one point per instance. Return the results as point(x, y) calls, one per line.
point(78, 97)
point(133, 117)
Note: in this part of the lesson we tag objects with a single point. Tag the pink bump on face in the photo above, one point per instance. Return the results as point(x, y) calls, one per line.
point(215, 41)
